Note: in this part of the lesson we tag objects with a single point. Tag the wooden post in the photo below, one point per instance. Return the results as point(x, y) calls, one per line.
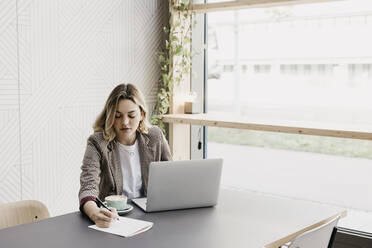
point(179, 134)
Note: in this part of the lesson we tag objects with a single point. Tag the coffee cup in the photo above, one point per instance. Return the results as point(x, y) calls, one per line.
point(116, 201)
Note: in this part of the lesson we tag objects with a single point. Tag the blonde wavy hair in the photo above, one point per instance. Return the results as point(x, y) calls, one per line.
point(105, 120)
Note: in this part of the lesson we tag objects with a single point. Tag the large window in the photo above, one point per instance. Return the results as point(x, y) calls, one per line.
point(307, 64)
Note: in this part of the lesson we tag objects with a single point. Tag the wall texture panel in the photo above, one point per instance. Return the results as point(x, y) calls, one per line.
point(59, 61)
point(10, 168)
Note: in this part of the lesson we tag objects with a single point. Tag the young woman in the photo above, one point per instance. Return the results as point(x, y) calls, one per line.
point(118, 154)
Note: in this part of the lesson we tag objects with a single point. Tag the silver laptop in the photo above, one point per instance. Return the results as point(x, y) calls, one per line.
point(182, 184)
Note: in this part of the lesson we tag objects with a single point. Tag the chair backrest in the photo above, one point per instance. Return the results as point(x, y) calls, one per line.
point(21, 212)
point(318, 237)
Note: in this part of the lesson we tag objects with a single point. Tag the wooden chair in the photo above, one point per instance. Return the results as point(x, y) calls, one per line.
point(22, 212)
point(318, 237)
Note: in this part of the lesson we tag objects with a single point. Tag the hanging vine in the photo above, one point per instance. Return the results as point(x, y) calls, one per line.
point(175, 58)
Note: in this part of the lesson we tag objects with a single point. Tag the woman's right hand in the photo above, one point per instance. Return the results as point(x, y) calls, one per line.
point(103, 218)
point(100, 216)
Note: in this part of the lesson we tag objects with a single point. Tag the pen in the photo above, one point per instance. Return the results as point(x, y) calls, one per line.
point(103, 205)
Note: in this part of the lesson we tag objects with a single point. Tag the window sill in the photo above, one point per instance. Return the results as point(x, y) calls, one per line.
point(294, 127)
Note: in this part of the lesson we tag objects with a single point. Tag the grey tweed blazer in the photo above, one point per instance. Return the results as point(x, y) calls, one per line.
point(101, 173)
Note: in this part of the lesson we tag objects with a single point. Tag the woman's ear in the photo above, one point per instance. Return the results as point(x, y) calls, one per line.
point(142, 115)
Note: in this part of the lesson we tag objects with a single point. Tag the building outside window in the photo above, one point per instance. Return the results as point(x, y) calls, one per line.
point(306, 65)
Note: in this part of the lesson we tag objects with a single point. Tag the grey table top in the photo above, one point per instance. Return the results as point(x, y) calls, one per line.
point(241, 219)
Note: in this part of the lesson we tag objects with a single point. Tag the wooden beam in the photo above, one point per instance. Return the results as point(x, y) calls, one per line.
point(287, 127)
point(244, 4)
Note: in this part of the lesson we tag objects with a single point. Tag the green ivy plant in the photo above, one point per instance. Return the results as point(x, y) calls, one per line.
point(176, 53)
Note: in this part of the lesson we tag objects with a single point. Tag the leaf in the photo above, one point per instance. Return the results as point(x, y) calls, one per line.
point(178, 50)
point(163, 91)
point(174, 38)
point(165, 78)
point(186, 52)
point(161, 58)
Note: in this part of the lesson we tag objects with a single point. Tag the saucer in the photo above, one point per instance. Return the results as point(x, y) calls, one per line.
point(127, 210)
point(123, 211)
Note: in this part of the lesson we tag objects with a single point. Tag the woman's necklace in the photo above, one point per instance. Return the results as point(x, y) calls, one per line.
point(129, 151)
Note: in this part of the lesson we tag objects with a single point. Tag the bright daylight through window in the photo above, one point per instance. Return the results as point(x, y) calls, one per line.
point(309, 65)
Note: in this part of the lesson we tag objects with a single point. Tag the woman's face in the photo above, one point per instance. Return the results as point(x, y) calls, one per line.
point(127, 118)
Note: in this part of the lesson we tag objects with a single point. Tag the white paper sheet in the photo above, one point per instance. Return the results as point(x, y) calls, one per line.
point(126, 227)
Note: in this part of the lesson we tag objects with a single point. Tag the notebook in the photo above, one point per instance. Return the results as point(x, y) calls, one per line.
point(125, 227)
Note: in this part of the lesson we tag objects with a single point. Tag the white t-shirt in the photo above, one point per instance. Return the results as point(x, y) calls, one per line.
point(131, 168)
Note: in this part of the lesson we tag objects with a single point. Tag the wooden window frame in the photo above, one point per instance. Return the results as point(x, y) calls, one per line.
point(244, 4)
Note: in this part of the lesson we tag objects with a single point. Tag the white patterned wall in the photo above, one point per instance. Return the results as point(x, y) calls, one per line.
point(10, 179)
point(59, 60)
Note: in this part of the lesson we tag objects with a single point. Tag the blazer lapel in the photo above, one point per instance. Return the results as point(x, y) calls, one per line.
point(115, 165)
point(146, 156)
